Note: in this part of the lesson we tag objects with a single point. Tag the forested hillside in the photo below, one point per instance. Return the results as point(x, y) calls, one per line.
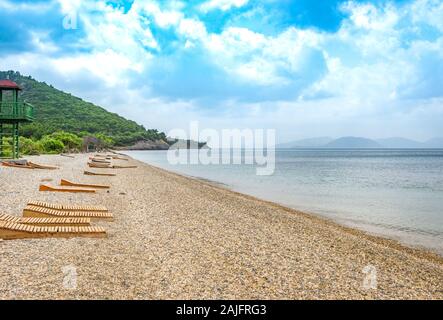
point(57, 111)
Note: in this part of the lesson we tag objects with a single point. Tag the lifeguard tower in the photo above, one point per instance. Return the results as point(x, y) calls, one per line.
point(12, 112)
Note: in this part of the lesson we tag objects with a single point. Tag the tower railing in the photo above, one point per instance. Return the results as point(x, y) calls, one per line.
point(19, 111)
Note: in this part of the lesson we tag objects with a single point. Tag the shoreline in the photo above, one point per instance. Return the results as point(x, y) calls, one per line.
point(365, 228)
point(175, 237)
point(393, 243)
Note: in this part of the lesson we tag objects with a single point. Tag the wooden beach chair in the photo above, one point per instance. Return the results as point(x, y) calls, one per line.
point(67, 207)
point(99, 165)
point(16, 165)
point(47, 221)
point(65, 182)
point(101, 157)
point(100, 161)
point(119, 158)
point(40, 166)
point(90, 173)
point(67, 155)
point(44, 187)
point(123, 167)
point(27, 165)
point(13, 230)
point(42, 212)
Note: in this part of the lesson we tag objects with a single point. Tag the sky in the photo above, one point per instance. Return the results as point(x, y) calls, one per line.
point(305, 68)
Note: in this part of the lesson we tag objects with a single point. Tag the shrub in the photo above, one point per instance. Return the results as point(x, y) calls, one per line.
point(51, 145)
point(107, 141)
point(29, 146)
point(71, 141)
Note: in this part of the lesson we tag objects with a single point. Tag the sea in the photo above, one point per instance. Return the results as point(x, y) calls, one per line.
point(393, 193)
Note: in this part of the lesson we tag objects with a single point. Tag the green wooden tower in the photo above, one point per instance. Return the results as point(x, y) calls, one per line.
point(12, 113)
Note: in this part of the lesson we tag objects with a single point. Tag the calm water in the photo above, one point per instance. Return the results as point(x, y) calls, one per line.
point(394, 193)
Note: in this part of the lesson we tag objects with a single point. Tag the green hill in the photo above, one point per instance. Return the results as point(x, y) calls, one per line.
point(56, 111)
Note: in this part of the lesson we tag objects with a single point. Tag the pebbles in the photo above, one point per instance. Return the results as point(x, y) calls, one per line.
point(179, 238)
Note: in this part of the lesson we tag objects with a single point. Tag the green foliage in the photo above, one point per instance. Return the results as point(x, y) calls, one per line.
point(107, 141)
point(51, 145)
point(7, 146)
point(71, 141)
point(29, 146)
point(57, 111)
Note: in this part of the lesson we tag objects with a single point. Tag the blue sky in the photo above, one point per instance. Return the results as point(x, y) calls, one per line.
point(306, 68)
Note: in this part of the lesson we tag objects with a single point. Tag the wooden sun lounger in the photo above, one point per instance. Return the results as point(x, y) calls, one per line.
point(67, 207)
point(99, 165)
point(40, 166)
point(123, 167)
point(15, 165)
point(13, 230)
point(44, 187)
point(107, 166)
point(100, 161)
point(66, 155)
point(64, 182)
point(41, 212)
point(28, 165)
point(89, 173)
point(47, 221)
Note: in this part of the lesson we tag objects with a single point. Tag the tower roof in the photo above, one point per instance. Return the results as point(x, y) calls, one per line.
point(9, 85)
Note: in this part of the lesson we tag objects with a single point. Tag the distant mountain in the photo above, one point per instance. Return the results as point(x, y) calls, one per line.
point(306, 143)
point(353, 143)
point(434, 143)
point(399, 143)
point(358, 142)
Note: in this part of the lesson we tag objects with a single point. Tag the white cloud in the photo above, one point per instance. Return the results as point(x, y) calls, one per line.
point(223, 5)
point(375, 63)
point(43, 43)
point(109, 66)
point(368, 16)
point(21, 6)
point(258, 58)
point(163, 18)
point(192, 29)
point(427, 11)
point(378, 64)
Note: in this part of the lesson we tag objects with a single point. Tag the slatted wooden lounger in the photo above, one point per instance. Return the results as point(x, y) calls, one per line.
point(47, 221)
point(66, 155)
point(65, 182)
point(98, 165)
point(28, 165)
point(100, 161)
point(13, 230)
point(90, 173)
point(67, 207)
point(123, 167)
point(15, 165)
point(44, 187)
point(107, 166)
point(40, 166)
point(36, 211)
point(110, 156)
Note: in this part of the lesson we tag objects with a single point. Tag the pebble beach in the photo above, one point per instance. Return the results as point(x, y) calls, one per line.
point(174, 237)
